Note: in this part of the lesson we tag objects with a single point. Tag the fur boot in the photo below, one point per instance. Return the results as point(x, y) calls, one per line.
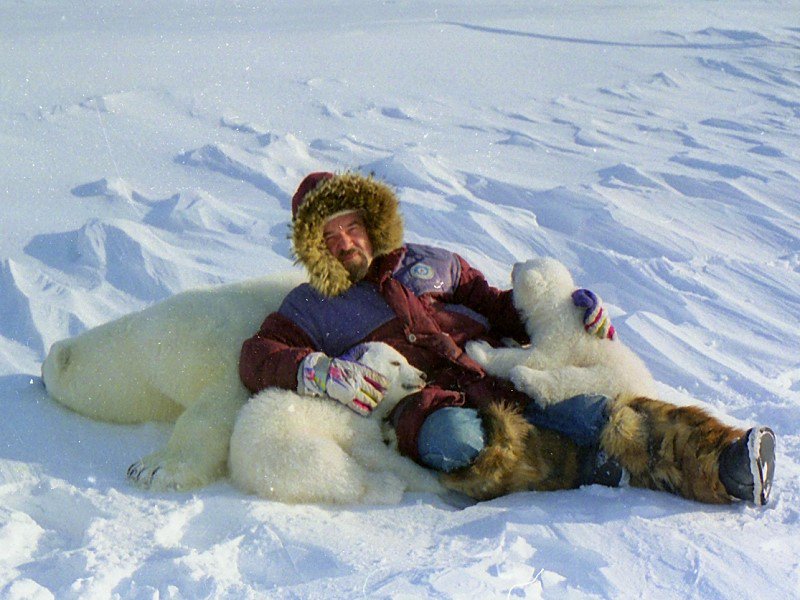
point(668, 447)
point(518, 457)
point(663, 446)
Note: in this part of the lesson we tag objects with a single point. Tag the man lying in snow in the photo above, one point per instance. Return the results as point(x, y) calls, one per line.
point(366, 285)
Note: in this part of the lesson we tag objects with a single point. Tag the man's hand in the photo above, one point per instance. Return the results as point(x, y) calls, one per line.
point(355, 385)
point(595, 319)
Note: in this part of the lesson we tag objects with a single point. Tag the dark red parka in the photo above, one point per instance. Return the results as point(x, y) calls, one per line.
point(429, 324)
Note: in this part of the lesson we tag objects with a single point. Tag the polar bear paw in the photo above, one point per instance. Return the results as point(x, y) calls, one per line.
point(479, 351)
point(160, 472)
point(530, 382)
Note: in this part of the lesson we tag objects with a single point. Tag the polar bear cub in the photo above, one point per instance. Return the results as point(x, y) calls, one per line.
point(562, 360)
point(299, 449)
point(176, 360)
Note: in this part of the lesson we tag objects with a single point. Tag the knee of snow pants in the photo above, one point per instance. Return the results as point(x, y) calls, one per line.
point(450, 438)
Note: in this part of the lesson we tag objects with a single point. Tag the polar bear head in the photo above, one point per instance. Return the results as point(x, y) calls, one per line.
point(543, 294)
point(403, 378)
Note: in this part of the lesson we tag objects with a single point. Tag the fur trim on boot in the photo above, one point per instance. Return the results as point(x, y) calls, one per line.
point(668, 447)
point(379, 208)
point(518, 457)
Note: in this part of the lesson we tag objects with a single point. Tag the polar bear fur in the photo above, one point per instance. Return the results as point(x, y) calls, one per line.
point(299, 449)
point(562, 360)
point(176, 360)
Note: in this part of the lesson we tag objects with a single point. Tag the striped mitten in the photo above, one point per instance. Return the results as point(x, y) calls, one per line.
point(595, 319)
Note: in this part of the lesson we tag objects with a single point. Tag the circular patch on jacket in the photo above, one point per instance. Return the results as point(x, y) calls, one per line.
point(422, 271)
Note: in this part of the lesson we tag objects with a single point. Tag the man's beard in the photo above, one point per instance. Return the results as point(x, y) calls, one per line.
point(357, 268)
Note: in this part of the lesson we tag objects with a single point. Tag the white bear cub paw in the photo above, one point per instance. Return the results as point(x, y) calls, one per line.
point(479, 351)
point(531, 382)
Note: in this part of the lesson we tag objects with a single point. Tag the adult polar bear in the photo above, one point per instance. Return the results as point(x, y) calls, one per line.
point(176, 360)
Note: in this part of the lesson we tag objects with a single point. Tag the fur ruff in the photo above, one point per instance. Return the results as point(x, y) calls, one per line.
point(518, 457)
point(379, 207)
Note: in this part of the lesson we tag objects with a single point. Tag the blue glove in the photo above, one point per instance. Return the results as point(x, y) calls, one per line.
point(595, 319)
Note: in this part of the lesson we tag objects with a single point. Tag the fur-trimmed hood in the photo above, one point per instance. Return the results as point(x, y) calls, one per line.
point(379, 208)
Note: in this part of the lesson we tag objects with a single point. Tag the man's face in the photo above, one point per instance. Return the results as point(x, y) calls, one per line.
point(347, 240)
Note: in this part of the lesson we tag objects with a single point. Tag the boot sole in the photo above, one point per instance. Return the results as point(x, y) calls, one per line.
point(761, 447)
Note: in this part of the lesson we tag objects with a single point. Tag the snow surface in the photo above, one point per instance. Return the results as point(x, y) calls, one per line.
point(152, 146)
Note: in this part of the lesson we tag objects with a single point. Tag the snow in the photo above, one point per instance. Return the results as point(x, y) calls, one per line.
point(153, 146)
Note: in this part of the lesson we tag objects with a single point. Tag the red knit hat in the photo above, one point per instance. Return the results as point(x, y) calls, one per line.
point(309, 183)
